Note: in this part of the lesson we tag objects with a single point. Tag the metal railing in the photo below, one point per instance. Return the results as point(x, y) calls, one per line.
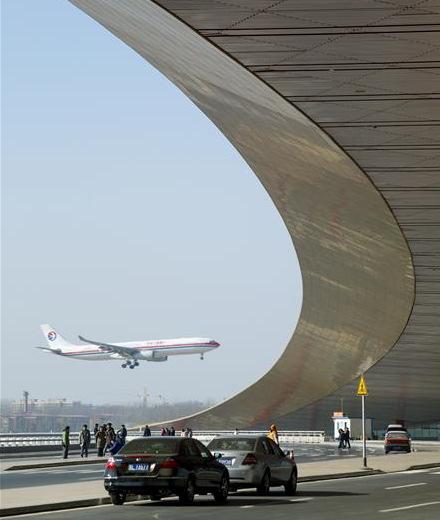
point(286, 438)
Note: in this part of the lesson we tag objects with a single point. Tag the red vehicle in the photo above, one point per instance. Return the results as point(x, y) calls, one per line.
point(397, 441)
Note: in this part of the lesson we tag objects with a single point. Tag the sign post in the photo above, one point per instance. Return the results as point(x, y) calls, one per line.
point(363, 391)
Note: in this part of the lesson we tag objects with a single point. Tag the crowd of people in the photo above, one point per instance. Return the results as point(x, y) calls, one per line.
point(344, 438)
point(170, 432)
point(107, 440)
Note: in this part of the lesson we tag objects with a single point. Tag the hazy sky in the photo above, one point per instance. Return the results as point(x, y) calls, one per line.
point(127, 215)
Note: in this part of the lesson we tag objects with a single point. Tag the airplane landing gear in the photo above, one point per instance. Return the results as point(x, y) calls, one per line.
point(130, 364)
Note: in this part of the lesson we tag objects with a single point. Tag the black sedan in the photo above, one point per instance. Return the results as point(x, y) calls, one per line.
point(163, 466)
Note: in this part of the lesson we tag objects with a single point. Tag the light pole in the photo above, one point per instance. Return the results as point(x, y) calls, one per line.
point(363, 392)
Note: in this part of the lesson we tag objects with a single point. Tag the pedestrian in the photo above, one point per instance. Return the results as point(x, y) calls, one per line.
point(183, 432)
point(163, 432)
point(273, 433)
point(84, 441)
point(116, 445)
point(347, 438)
point(190, 432)
point(110, 436)
point(66, 441)
point(341, 438)
point(95, 430)
point(100, 441)
point(122, 432)
point(147, 431)
point(236, 431)
point(172, 431)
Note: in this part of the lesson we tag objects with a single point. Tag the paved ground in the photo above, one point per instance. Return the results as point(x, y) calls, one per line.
point(73, 474)
point(51, 476)
point(303, 453)
point(404, 496)
point(38, 454)
point(57, 485)
point(329, 451)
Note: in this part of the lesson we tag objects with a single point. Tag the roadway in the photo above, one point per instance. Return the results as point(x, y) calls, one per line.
point(318, 451)
point(71, 474)
point(50, 476)
point(403, 495)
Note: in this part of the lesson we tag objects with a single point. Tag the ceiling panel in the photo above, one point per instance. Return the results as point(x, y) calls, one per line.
point(368, 73)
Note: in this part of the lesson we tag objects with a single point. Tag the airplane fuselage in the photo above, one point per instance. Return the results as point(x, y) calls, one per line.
point(156, 350)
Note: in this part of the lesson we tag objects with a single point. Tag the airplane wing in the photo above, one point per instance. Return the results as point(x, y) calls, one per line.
point(126, 352)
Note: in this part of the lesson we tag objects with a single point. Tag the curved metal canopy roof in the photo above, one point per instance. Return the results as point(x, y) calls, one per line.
point(335, 106)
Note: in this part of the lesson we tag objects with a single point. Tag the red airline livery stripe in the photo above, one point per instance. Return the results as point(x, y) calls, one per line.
point(156, 347)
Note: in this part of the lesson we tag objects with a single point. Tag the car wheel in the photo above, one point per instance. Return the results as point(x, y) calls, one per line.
point(264, 486)
point(117, 499)
point(221, 494)
point(386, 452)
point(187, 495)
point(290, 485)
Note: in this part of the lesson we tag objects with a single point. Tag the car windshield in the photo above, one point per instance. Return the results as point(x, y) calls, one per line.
point(151, 446)
point(397, 435)
point(232, 444)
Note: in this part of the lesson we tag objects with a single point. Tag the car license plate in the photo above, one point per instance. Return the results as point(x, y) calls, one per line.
point(225, 462)
point(138, 467)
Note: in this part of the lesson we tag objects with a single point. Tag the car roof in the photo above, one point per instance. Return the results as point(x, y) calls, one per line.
point(245, 437)
point(158, 438)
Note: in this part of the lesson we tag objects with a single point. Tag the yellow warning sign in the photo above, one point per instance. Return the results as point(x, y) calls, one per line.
point(362, 387)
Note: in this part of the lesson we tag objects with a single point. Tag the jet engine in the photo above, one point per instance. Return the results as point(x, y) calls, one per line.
point(115, 355)
point(151, 355)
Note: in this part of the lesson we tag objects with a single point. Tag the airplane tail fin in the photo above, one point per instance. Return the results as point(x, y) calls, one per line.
point(54, 340)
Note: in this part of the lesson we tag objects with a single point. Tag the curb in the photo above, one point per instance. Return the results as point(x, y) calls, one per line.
point(41, 508)
point(424, 466)
point(334, 476)
point(56, 464)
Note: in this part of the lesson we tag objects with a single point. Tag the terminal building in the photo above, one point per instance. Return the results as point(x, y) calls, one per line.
point(335, 107)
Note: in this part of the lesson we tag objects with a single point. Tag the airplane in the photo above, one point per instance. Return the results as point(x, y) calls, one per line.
point(130, 352)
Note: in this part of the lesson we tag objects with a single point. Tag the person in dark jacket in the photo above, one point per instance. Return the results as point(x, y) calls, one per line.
point(96, 430)
point(147, 431)
point(100, 441)
point(66, 441)
point(116, 445)
point(163, 432)
point(84, 441)
point(110, 436)
point(347, 438)
point(172, 431)
point(122, 432)
point(341, 438)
